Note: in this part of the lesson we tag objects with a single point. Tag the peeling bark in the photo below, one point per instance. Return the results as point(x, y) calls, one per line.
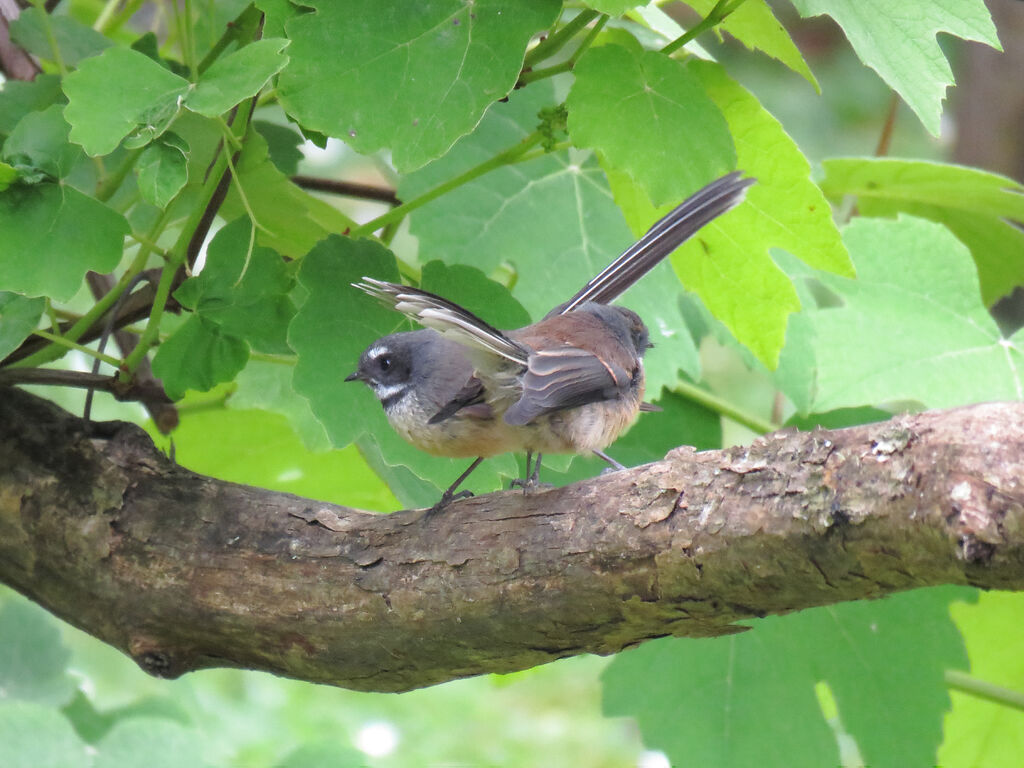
point(182, 571)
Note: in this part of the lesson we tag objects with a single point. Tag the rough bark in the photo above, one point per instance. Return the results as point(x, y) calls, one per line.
point(182, 571)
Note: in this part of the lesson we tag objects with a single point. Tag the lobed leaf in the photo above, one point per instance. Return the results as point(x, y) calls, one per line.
point(101, 115)
point(162, 170)
point(912, 327)
point(984, 210)
point(411, 82)
point(19, 316)
point(750, 699)
point(649, 116)
point(898, 41)
point(53, 234)
point(236, 77)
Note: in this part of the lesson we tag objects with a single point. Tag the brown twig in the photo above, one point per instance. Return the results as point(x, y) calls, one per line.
point(347, 188)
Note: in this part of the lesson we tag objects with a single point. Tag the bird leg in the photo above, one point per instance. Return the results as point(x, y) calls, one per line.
point(615, 466)
point(450, 495)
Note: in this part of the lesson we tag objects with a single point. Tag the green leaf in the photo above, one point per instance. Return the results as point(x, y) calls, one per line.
point(412, 82)
point(243, 292)
point(749, 699)
point(649, 116)
point(18, 98)
point(34, 736)
point(728, 264)
point(754, 24)
point(75, 40)
point(33, 661)
point(916, 299)
point(39, 143)
point(237, 77)
point(19, 316)
point(117, 92)
point(199, 355)
point(275, 14)
point(977, 206)
point(162, 170)
point(282, 145)
point(53, 234)
point(146, 742)
point(575, 228)
point(291, 221)
point(980, 732)
point(897, 40)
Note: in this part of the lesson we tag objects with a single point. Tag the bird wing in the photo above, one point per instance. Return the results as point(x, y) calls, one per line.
point(566, 377)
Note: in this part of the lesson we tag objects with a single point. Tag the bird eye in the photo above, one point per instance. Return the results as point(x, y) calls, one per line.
point(385, 363)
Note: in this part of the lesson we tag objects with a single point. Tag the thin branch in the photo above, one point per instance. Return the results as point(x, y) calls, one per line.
point(347, 188)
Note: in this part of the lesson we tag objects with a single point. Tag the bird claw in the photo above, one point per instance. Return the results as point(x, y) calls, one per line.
point(447, 498)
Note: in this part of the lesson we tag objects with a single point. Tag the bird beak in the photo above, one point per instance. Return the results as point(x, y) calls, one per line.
point(353, 376)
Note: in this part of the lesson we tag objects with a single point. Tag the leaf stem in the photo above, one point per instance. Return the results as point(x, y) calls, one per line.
point(724, 407)
point(64, 342)
point(108, 23)
point(107, 186)
point(555, 42)
point(532, 75)
point(715, 16)
point(961, 681)
point(507, 157)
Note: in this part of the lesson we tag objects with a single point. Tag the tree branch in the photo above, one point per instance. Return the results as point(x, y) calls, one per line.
point(183, 572)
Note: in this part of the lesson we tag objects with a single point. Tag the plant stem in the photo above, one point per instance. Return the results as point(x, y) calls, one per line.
point(715, 16)
point(177, 255)
point(533, 75)
point(106, 188)
point(51, 38)
point(507, 157)
point(724, 407)
point(961, 681)
point(555, 42)
point(62, 341)
point(108, 23)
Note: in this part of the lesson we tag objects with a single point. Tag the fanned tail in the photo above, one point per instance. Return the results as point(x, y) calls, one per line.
point(665, 236)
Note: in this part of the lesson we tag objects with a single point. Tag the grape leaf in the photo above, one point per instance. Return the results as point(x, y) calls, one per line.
point(980, 732)
point(282, 145)
point(237, 76)
point(979, 207)
point(75, 40)
point(53, 234)
point(39, 145)
point(613, 7)
point(897, 40)
point(912, 326)
point(162, 169)
point(199, 355)
point(34, 662)
point(754, 24)
point(18, 98)
point(35, 736)
point(574, 231)
point(749, 699)
point(413, 82)
point(649, 116)
point(113, 94)
point(729, 266)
